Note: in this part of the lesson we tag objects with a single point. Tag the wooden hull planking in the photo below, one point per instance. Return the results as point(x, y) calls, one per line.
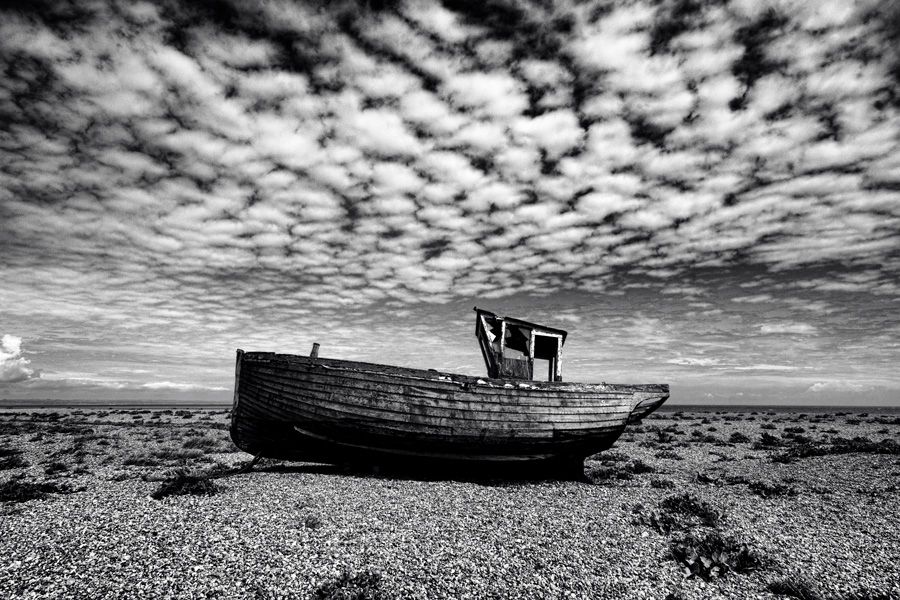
point(323, 410)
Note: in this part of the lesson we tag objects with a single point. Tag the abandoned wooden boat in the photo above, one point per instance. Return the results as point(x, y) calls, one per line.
point(316, 409)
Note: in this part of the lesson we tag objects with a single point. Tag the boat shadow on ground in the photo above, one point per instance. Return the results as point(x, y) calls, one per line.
point(492, 477)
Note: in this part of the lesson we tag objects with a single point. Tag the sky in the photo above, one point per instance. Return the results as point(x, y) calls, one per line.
point(705, 194)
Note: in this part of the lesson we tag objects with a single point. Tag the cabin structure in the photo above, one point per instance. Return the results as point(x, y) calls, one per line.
point(517, 349)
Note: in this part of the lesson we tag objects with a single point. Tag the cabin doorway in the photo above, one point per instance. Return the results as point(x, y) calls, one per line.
point(545, 351)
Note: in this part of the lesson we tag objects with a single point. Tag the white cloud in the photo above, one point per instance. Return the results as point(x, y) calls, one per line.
point(13, 366)
point(383, 132)
point(184, 387)
point(694, 361)
point(490, 94)
point(853, 387)
point(789, 328)
point(556, 132)
point(395, 178)
point(481, 136)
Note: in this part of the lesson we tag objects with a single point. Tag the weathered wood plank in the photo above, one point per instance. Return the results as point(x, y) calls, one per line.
point(322, 409)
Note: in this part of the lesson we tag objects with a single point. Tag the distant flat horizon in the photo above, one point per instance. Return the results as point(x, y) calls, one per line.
point(161, 404)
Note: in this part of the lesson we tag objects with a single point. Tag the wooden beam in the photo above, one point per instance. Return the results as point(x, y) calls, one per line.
point(502, 341)
point(558, 362)
point(530, 354)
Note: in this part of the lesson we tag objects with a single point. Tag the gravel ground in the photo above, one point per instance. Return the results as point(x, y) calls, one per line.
point(287, 531)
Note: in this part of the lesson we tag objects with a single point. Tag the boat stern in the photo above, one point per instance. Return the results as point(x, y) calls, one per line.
point(235, 405)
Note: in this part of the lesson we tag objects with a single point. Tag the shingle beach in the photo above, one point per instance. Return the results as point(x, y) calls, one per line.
point(806, 500)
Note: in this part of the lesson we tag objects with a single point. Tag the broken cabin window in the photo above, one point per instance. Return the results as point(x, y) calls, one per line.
point(512, 347)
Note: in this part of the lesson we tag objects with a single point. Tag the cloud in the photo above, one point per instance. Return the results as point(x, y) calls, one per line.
point(184, 387)
point(488, 94)
point(13, 366)
point(789, 328)
point(698, 361)
point(382, 132)
point(277, 166)
point(852, 387)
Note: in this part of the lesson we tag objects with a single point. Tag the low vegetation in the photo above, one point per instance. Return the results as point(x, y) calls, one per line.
point(55, 467)
point(668, 455)
point(862, 445)
point(184, 482)
point(366, 585)
point(611, 470)
point(795, 587)
point(690, 507)
point(769, 490)
point(23, 490)
point(662, 483)
point(312, 522)
point(712, 554)
point(767, 441)
point(11, 458)
point(678, 513)
point(206, 443)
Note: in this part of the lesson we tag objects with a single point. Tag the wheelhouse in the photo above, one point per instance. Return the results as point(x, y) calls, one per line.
point(517, 349)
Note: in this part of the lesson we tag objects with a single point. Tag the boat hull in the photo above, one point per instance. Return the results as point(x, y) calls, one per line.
point(323, 410)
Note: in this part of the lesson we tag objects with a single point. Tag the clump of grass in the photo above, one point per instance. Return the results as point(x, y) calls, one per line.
point(769, 490)
point(142, 460)
point(799, 439)
point(736, 479)
point(183, 482)
point(660, 522)
point(662, 483)
point(639, 467)
point(11, 458)
point(612, 457)
point(22, 490)
point(161, 456)
point(55, 467)
point(312, 522)
point(617, 471)
point(738, 438)
point(692, 508)
point(795, 587)
point(664, 437)
point(699, 436)
point(679, 512)
point(767, 441)
point(862, 445)
point(668, 454)
point(352, 586)
point(713, 555)
point(603, 474)
point(767, 426)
